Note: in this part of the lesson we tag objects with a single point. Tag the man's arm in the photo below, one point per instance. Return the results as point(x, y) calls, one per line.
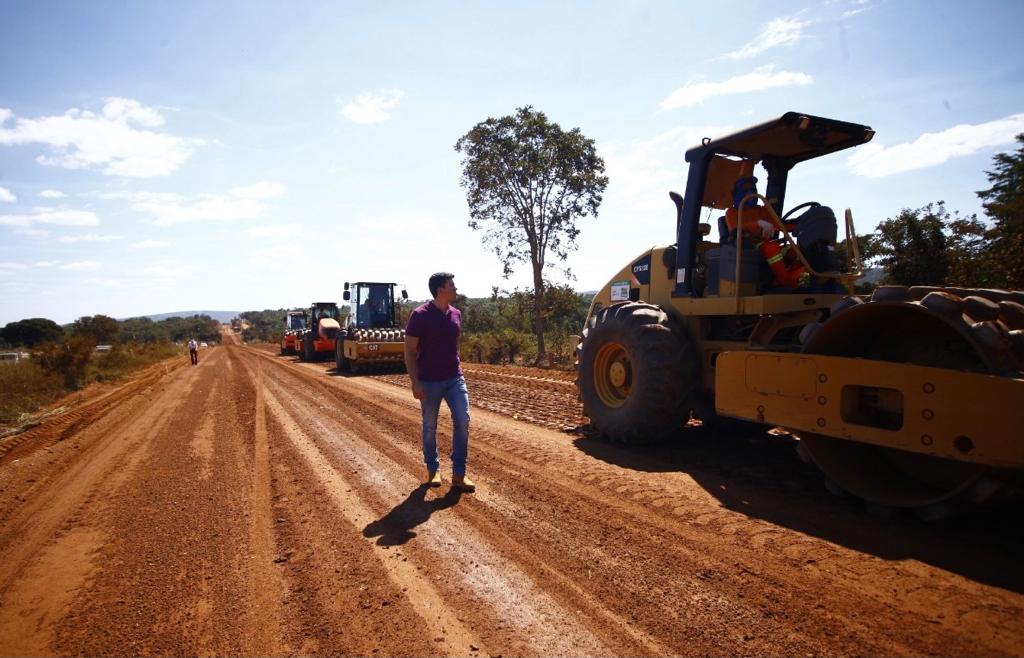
point(412, 344)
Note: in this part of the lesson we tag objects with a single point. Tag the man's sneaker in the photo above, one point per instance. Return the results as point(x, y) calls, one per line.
point(433, 479)
point(463, 483)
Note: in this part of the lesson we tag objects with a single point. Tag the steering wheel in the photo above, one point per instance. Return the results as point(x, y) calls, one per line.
point(807, 204)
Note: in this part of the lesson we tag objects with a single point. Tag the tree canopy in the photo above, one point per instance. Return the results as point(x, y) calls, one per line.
point(912, 246)
point(31, 332)
point(103, 329)
point(528, 182)
point(1004, 204)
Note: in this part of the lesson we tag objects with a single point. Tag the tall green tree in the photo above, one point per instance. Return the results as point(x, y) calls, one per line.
point(31, 332)
point(1004, 204)
point(971, 261)
point(528, 182)
point(911, 246)
point(102, 328)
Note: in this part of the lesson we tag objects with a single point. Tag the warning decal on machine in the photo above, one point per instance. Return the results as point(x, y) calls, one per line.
point(620, 291)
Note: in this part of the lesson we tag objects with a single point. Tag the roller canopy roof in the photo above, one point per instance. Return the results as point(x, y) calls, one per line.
point(779, 144)
point(793, 137)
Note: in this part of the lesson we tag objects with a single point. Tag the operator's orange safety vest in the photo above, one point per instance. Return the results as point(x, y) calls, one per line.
point(786, 268)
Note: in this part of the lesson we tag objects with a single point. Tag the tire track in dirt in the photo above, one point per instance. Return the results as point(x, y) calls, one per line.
point(266, 587)
point(174, 575)
point(614, 586)
point(803, 557)
point(496, 541)
point(258, 506)
point(430, 605)
point(80, 415)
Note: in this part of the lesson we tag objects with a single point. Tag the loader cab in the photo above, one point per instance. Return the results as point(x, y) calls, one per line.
point(295, 320)
point(321, 310)
point(372, 304)
point(716, 165)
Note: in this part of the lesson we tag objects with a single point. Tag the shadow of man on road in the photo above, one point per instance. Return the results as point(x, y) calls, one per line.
point(395, 527)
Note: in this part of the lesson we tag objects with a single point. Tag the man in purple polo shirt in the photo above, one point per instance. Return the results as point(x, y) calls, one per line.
point(432, 358)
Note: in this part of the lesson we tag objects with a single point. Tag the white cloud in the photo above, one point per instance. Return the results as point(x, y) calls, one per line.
point(275, 231)
point(30, 232)
point(859, 6)
point(7, 196)
point(12, 266)
point(373, 106)
point(51, 216)
point(239, 203)
point(81, 266)
point(761, 78)
point(52, 194)
point(777, 32)
point(138, 196)
point(215, 209)
point(126, 109)
point(159, 273)
point(111, 141)
point(91, 237)
point(875, 160)
point(47, 263)
point(149, 244)
point(643, 171)
point(261, 190)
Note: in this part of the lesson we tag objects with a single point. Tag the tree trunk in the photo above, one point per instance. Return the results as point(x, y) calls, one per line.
point(538, 315)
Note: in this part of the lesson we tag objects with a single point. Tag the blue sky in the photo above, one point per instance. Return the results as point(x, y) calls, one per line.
point(163, 156)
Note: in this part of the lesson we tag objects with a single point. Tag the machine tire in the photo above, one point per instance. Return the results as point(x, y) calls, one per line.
point(637, 368)
point(307, 349)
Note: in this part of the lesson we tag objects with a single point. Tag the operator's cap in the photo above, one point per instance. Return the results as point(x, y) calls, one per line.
point(742, 187)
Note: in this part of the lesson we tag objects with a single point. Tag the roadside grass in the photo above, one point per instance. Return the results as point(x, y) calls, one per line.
point(26, 387)
point(29, 385)
point(125, 358)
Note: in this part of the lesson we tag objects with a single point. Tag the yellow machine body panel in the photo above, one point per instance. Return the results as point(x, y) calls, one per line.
point(372, 351)
point(892, 405)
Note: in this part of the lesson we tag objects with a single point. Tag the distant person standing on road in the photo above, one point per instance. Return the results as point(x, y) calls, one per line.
point(193, 351)
point(432, 359)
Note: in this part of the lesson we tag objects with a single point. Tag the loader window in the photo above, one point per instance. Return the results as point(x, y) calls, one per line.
point(373, 306)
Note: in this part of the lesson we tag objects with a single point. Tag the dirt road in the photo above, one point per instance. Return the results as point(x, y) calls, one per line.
point(256, 505)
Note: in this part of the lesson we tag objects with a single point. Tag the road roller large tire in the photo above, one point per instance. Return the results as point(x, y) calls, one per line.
point(926, 327)
point(636, 370)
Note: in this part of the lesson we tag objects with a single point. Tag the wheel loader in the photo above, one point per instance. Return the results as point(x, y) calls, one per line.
point(372, 338)
point(294, 324)
point(316, 342)
point(910, 398)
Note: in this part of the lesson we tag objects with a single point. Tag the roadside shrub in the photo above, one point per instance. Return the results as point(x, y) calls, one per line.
point(25, 386)
point(505, 346)
point(70, 360)
point(124, 358)
point(56, 369)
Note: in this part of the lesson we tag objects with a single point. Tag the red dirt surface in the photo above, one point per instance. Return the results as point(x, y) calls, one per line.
point(255, 505)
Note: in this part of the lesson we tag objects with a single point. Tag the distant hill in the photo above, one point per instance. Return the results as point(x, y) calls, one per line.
point(220, 316)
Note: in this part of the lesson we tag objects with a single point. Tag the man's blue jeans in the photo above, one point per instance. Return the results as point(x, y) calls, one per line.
point(454, 392)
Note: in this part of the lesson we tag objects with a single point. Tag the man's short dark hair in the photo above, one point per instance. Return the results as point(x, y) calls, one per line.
point(437, 281)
